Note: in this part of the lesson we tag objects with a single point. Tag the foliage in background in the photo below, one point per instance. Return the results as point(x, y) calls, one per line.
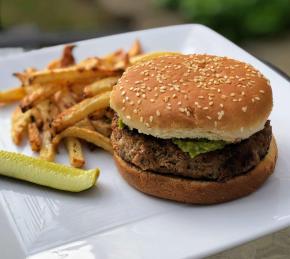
point(236, 19)
point(52, 15)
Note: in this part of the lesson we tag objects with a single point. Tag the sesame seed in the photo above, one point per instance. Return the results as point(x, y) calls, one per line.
point(208, 117)
point(262, 91)
point(151, 118)
point(128, 117)
point(205, 108)
point(158, 113)
point(244, 109)
point(200, 97)
point(135, 110)
point(221, 105)
point(166, 99)
point(232, 94)
point(220, 114)
point(224, 96)
point(210, 103)
point(257, 98)
point(147, 125)
point(141, 119)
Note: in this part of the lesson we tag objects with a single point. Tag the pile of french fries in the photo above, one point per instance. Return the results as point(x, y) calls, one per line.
point(67, 102)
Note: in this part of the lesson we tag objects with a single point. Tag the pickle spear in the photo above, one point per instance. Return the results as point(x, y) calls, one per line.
point(46, 173)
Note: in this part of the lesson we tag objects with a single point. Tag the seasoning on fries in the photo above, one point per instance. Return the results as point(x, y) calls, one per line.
point(68, 102)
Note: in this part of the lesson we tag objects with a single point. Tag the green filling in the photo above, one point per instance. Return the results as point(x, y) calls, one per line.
point(121, 124)
point(192, 147)
point(198, 146)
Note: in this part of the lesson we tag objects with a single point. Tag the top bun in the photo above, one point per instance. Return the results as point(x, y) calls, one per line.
point(193, 96)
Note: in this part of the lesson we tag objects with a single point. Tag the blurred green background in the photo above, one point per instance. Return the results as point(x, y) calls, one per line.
point(260, 26)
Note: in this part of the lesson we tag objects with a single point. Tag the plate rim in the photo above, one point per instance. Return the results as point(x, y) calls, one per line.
point(188, 26)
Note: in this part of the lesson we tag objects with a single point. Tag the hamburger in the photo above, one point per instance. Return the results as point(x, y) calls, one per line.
point(193, 128)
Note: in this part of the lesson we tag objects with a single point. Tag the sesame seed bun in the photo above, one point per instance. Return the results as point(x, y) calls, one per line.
point(199, 192)
point(193, 96)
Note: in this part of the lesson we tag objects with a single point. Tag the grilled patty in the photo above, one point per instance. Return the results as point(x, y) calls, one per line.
point(164, 157)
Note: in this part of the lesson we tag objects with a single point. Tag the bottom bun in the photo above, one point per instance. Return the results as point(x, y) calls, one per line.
point(199, 192)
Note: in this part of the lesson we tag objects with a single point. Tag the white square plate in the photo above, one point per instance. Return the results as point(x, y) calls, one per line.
point(116, 221)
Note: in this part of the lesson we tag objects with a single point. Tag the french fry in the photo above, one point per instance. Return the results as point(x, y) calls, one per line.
point(111, 57)
point(80, 111)
point(73, 145)
point(23, 77)
point(69, 101)
point(44, 110)
point(85, 134)
point(149, 56)
point(85, 123)
point(77, 88)
point(48, 111)
point(65, 100)
point(123, 63)
point(38, 95)
point(109, 113)
point(74, 148)
point(47, 151)
point(12, 95)
point(66, 60)
point(100, 86)
point(19, 125)
point(97, 114)
point(34, 137)
point(102, 127)
point(69, 74)
point(117, 61)
point(53, 64)
point(36, 117)
point(135, 49)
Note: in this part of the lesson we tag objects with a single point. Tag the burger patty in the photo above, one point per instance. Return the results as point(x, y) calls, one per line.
point(164, 157)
